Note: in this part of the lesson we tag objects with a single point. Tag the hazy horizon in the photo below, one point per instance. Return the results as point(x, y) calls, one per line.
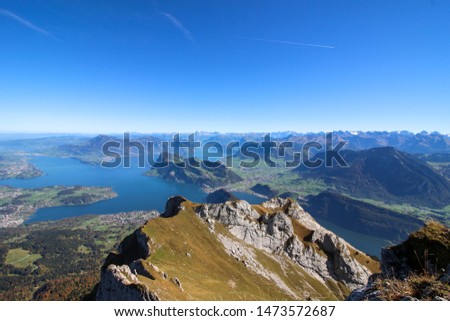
point(355, 132)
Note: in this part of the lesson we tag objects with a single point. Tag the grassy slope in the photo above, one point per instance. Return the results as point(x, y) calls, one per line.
point(186, 249)
point(209, 273)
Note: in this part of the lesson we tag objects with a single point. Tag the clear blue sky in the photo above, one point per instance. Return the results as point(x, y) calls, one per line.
point(224, 65)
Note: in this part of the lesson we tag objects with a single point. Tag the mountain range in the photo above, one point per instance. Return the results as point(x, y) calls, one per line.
point(385, 174)
point(414, 143)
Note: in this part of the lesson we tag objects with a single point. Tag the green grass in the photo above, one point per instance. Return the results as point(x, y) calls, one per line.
point(423, 213)
point(21, 258)
point(50, 194)
point(83, 249)
point(209, 273)
point(280, 179)
point(438, 165)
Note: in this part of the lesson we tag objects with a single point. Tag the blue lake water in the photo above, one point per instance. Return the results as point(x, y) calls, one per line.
point(138, 192)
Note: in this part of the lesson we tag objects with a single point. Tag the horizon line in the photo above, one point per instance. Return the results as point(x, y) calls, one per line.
point(354, 132)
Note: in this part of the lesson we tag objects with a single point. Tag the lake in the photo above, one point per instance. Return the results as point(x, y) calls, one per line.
point(138, 192)
point(135, 191)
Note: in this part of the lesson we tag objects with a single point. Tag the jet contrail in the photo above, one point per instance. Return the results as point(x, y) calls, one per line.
point(24, 22)
point(177, 24)
point(283, 42)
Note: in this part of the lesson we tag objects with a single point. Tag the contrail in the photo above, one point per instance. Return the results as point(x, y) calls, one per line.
point(24, 22)
point(177, 24)
point(283, 42)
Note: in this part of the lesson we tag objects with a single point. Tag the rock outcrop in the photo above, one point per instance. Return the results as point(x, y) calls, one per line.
point(233, 250)
point(118, 283)
point(319, 251)
point(417, 269)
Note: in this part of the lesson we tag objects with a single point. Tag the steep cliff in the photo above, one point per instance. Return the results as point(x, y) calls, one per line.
point(233, 251)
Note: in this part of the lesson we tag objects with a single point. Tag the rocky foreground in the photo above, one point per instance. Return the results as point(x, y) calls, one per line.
point(417, 269)
point(233, 251)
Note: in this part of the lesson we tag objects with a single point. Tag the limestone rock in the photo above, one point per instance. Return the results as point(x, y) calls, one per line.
point(118, 283)
point(280, 228)
point(274, 233)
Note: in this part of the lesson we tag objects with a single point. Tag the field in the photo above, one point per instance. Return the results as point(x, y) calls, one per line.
point(279, 179)
point(21, 259)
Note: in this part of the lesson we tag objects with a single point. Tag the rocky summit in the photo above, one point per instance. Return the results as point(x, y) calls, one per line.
point(233, 251)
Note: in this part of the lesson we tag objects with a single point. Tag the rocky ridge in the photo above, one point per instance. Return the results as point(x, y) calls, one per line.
point(233, 250)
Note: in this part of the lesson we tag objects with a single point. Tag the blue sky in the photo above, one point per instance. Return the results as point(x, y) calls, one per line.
point(224, 65)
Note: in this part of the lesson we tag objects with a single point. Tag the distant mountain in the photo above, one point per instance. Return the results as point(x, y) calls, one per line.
point(220, 196)
point(209, 174)
point(420, 143)
point(91, 146)
point(360, 216)
point(43, 145)
point(90, 150)
point(385, 174)
point(233, 251)
point(264, 189)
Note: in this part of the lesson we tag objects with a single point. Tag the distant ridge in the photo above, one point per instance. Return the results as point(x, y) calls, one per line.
point(388, 175)
point(209, 174)
point(361, 216)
